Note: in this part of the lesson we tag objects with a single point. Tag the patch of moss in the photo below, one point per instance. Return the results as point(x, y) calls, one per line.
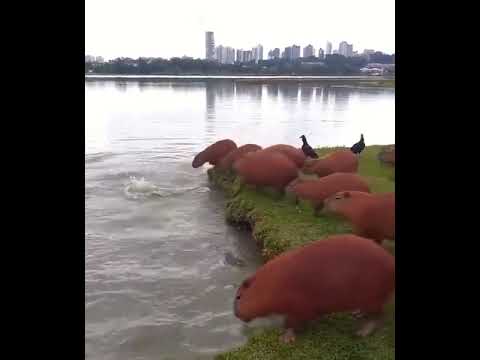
point(278, 225)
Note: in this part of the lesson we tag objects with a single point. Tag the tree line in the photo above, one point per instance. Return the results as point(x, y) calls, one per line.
point(332, 65)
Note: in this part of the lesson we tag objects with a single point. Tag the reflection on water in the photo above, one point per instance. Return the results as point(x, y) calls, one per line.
point(198, 112)
point(160, 261)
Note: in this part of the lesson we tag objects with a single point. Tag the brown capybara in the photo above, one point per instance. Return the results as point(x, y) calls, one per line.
point(317, 190)
point(372, 215)
point(227, 162)
point(266, 168)
point(214, 153)
point(387, 155)
point(341, 273)
point(338, 161)
point(294, 154)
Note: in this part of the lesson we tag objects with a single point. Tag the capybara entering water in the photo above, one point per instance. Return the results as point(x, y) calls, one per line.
point(372, 215)
point(214, 153)
point(227, 162)
point(338, 161)
point(266, 168)
point(294, 154)
point(387, 155)
point(317, 190)
point(341, 273)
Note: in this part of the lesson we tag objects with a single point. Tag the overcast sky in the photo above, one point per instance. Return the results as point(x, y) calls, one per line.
point(157, 28)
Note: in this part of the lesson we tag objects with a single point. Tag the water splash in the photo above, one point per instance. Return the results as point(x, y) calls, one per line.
point(141, 188)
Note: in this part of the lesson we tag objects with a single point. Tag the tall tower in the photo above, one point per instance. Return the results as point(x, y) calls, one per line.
point(259, 52)
point(328, 48)
point(209, 46)
point(295, 52)
point(343, 48)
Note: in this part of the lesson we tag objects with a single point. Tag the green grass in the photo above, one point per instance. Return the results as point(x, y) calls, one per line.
point(278, 225)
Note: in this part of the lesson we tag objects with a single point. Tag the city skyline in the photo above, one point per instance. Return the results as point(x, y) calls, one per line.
point(149, 29)
point(226, 54)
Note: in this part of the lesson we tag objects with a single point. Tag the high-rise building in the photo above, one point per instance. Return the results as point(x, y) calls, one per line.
point(230, 55)
point(239, 57)
point(89, 58)
point(209, 46)
point(275, 53)
point(320, 53)
point(254, 54)
point(345, 49)
point(99, 59)
point(244, 56)
point(342, 48)
point(219, 53)
point(308, 51)
point(259, 53)
point(287, 54)
point(225, 54)
point(367, 53)
point(295, 52)
point(328, 48)
point(349, 50)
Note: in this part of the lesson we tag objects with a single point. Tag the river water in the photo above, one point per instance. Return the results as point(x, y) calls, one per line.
point(161, 263)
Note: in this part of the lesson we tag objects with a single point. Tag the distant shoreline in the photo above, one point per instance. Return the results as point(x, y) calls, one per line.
point(238, 77)
point(368, 81)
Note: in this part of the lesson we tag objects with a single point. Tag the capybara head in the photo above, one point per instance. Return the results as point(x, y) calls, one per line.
point(198, 160)
point(251, 301)
point(214, 153)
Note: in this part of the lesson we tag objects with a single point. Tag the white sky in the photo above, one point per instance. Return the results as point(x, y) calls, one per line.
point(115, 28)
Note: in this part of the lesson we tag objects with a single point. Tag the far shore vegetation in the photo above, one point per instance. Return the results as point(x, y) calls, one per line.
point(335, 64)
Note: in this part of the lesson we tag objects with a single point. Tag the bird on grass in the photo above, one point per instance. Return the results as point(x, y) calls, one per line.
point(307, 149)
point(359, 146)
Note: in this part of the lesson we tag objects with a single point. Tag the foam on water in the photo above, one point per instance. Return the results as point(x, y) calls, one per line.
point(141, 188)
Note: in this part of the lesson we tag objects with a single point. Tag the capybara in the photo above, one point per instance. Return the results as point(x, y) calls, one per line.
point(341, 273)
point(372, 215)
point(294, 154)
point(266, 168)
point(317, 190)
point(338, 161)
point(387, 155)
point(227, 162)
point(214, 153)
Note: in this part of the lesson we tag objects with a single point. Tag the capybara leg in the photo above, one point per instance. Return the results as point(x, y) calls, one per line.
point(373, 323)
point(288, 336)
point(318, 209)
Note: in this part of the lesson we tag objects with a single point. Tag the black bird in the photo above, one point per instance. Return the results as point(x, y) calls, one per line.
point(359, 146)
point(307, 149)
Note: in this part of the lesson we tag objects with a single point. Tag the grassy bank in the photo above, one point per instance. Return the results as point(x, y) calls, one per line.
point(277, 225)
